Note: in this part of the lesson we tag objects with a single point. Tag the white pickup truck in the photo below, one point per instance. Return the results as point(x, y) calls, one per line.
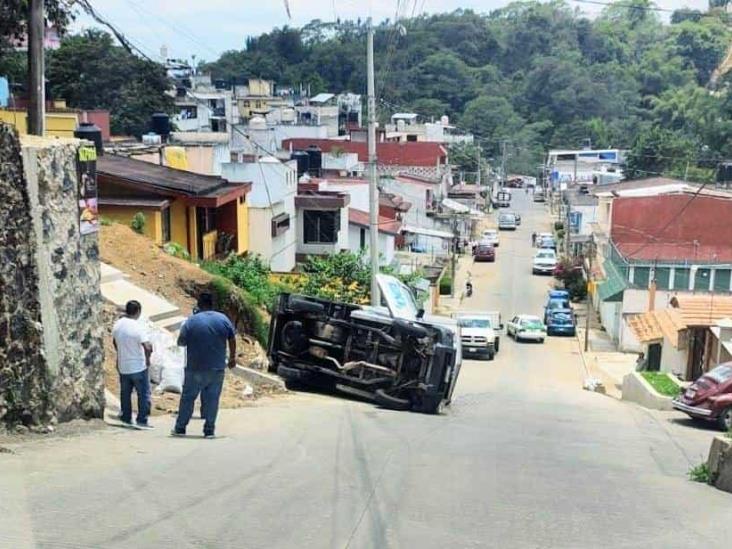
point(480, 332)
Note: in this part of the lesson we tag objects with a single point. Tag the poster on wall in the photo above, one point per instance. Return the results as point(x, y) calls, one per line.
point(87, 174)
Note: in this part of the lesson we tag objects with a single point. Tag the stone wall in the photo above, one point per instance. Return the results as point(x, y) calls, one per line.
point(24, 380)
point(63, 370)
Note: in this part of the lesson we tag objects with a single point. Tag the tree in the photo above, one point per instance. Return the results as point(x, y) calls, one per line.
point(90, 72)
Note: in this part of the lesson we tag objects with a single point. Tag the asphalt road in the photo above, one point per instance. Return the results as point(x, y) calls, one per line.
point(524, 458)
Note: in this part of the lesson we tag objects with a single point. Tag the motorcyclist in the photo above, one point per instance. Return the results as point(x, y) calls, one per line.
point(468, 287)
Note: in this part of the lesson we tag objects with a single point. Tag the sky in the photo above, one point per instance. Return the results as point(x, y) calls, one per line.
point(206, 28)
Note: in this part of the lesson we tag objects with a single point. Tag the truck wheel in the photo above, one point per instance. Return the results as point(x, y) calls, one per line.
point(491, 355)
point(391, 402)
point(432, 404)
point(496, 344)
point(725, 419)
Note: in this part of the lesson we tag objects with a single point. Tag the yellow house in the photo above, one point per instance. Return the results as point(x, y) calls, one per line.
point(205, 214)
point(58, 124)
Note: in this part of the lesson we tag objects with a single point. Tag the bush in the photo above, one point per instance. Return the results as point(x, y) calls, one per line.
point(104, 221)
point(572, 277)
point(446, 285)
point(344, 276)
point(559, 225)
point(176, 250)
point(138, 223)
point(241, 308)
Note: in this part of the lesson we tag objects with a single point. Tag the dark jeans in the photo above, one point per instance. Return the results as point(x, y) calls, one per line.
point(207, 383)
point(140, 382)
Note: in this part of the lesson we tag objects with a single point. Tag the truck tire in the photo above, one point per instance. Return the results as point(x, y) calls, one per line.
point(725, 419)
point(391, 402)
point(491, 355)
point(432, 404)
point(498, 340)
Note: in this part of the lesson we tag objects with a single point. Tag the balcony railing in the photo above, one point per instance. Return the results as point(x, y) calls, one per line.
point(209, 245)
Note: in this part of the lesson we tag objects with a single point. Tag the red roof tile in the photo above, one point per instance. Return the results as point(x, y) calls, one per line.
point(386, 225)
point(425, 154)
point(673, 227)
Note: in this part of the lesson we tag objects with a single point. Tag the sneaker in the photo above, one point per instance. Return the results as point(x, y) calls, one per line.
point(209, 435)
point(177, 433)
point(145, 426)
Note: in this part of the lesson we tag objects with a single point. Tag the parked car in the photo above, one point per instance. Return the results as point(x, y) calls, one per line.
point(539, 195)
point(557, 299)
point(545, 261)
point(548, 243)
point(710, 397)
point(394, 355)
point(484, 252)
point(517, 216)
point(560, 322)
point(540, 237)
point(507, 222)
point(478, 334)
point(526, 328)
point(490, 236)
point(503, 199)
point(583, 189)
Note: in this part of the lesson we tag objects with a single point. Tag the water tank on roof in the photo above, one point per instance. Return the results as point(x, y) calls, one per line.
point(316, 160)
point(151, 139)
point(161, 125)
point(445, 120)
point(257, 123)
point(401, 125)
point(289, 115)
point(91, 132)
point(303, 162)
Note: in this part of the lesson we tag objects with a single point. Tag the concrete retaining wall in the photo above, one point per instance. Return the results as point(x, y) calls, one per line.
point(637, 389)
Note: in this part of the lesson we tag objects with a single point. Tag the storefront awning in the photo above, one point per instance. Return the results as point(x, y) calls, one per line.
point(427, 232)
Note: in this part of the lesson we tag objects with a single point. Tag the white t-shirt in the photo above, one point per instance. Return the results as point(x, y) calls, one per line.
point(129, 335)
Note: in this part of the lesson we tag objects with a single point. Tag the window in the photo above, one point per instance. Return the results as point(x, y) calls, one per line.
point(641, 276)
point(663, 277)
point(721, 280)
point(280, 224)
point(701, 280)
point(681, 279)
point(188, 112)
point(320, 226)
point(166, 224)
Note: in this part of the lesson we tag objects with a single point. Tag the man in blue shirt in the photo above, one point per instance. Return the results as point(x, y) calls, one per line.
point(205, 336)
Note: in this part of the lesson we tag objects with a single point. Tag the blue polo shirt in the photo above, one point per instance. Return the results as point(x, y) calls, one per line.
point(204, 335)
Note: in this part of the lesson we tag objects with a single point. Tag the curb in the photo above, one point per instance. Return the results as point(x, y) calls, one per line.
point(258, 378)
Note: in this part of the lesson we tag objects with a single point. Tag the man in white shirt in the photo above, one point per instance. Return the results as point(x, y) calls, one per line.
point(133, 360)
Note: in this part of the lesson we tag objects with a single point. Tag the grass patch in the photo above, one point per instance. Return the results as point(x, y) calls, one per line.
point(662, 383)
point(700, 473)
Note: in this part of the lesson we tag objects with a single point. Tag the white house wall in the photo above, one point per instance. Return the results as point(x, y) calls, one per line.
point(322, 249)
point(386, 243)
point(673, 360)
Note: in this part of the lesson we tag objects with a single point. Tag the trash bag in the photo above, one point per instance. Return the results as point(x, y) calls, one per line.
point(167, 362)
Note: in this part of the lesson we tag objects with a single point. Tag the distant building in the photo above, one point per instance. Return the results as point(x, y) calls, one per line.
point(583, 166)
point(203, 107)
point(206, 215)
point(272, 212)
point(407, 127)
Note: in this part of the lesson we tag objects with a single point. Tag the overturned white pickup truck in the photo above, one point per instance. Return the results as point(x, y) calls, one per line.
point(394, 355)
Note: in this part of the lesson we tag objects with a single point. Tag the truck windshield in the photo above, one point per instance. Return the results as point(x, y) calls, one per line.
point(474, 323)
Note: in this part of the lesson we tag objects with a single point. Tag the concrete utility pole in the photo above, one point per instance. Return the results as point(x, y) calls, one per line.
point(503, 164)
point(36, 69)
point(373, 181)
point(590, 256)
point(477, 177)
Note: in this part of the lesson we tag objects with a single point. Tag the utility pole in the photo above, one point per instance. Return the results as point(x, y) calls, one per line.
point(477, 177)
point(373, 183)
point(453, 268)
point(36, 69)
point(590, 256)
point(503, 164)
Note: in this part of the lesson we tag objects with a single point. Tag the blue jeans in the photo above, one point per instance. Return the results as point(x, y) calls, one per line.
point(207, 383)
point(140, 382)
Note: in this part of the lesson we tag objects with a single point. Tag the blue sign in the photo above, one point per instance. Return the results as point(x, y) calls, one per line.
point(575, 220)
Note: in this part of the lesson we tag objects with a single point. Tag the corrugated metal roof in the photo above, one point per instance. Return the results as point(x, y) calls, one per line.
point(653, 326)
point(612, 287)
point(702, 310)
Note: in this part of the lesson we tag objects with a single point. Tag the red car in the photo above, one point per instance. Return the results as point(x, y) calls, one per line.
point(710, 397)
point(484, 252)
